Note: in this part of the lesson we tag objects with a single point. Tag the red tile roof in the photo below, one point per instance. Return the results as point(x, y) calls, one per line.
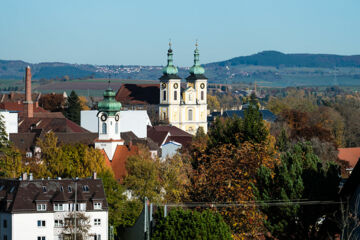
point(118, 163)
point(350, 155)
point(139, 94)
point(19, 107)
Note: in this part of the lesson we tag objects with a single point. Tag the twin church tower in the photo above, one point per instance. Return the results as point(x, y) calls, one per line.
point(184, 108)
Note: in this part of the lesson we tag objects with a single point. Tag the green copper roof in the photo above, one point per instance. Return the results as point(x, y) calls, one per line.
point(197, 69)
point(170, 69)
point(109, 103)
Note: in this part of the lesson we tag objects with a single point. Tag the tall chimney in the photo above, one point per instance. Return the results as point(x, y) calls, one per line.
point(28, 104)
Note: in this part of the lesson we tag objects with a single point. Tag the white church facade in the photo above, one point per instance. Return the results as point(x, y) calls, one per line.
point(187, 108)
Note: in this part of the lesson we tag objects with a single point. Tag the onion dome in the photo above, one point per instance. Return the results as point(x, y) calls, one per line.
point(109, 104)
point(170, 71)
point(196, 71)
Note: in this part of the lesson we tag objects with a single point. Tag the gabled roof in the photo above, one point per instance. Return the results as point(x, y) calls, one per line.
point(351, 155)
point(138, 94)
point(49, 124)
point(159, 137)
point(24, 194)
point(118, 163)
point(17, 96)
point(19, 107)
point(174, 131)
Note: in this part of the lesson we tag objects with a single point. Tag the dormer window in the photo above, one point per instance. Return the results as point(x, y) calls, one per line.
point(44, 188)
point(41, 207)
point(69, 189)
point(61, 189)
point(97, 206)
point(85, 188)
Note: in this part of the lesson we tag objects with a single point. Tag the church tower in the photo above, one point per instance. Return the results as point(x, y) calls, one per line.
point(195, 97)
point(109, 124)
point(169, 108)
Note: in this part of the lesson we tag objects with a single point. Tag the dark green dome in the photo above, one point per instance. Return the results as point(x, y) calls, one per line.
point(109, 104)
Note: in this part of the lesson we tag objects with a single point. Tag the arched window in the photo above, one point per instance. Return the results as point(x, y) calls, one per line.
point(104, 128)
point(175, 95)
point(202, 95)
point(116, 127)
point(164, 95)
point(190, 114)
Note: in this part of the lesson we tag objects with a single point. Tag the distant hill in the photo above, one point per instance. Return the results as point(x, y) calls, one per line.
point(277, 59)
point(267, 68)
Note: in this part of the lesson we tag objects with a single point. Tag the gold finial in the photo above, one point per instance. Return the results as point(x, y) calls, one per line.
point(196, 43)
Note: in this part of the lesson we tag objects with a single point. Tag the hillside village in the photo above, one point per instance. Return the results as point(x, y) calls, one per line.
point(147, 155)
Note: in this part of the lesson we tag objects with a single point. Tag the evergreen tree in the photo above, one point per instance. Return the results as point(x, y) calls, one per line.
point(73, 108)
point(187, 224)
point(254, 129)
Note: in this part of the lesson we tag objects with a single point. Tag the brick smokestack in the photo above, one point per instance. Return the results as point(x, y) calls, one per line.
point(28, 104)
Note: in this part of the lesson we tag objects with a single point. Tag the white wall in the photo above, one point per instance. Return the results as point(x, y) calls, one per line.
point(11, 121)
point(130, 120)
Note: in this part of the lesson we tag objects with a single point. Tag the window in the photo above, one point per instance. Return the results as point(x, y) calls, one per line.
point(44, 188)
point(59, 223)
point(116, 128)
point(97, 221)
point(5, 223)
point(164, 115)
point(28, 154)
point(97, 205)
point(164, 95)
point(97, 237)
point(69, 189)
point(61, 189)
point(190, 115)
point(104, 128)
point(41, 238)
point(202, 95)
point(41, 223)
point(175, 95)
point(41, 207)
point(58, 207)
point(85, 188)
point(190, 97)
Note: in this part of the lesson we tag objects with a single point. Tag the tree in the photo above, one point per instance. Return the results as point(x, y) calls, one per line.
point(122, 212)
point(213, 103)
point(4, 141)
point(83, 103)
point(143, 176)
point(73, 108)
point(187, 224)
point(82, 226)
point(53, 102)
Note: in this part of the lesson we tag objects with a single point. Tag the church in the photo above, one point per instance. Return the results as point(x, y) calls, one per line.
point(184, 108)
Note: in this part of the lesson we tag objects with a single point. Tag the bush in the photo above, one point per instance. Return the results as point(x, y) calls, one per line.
point(187, 224)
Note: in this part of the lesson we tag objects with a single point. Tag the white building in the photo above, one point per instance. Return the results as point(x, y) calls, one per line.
point(185, 109)
point(42, 209)
point(10, 120)
point(135, 121)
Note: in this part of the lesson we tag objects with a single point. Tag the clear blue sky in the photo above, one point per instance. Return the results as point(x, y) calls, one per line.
point(137, 32)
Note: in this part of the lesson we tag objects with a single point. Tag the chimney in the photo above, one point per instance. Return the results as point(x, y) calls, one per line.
point(28, 104)
point(31, 177)
point(94, 175)
point(24, 176)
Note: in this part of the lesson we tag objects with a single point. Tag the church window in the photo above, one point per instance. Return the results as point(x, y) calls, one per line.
point(175, 95)
point(116, 128)
point(202, 95)
point(190, 115)
point(190, 97)
point(164, 96)
point(104, 128)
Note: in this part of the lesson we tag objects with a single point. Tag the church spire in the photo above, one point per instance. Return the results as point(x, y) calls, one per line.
point(197, 69)
point(170, 69)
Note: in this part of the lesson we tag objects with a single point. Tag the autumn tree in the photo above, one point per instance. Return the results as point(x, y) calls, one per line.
point(53, 102)
point(73, 108)
point(83, 103)
point(213, 103)
point(80, 229)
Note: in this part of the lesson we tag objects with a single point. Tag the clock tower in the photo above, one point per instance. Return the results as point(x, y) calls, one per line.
point(170, 87)
point(109, 124)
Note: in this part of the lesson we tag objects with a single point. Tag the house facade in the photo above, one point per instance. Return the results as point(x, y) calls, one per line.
point(44, 209)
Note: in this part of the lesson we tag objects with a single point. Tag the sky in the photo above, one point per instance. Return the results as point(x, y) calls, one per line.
point(126, 32)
